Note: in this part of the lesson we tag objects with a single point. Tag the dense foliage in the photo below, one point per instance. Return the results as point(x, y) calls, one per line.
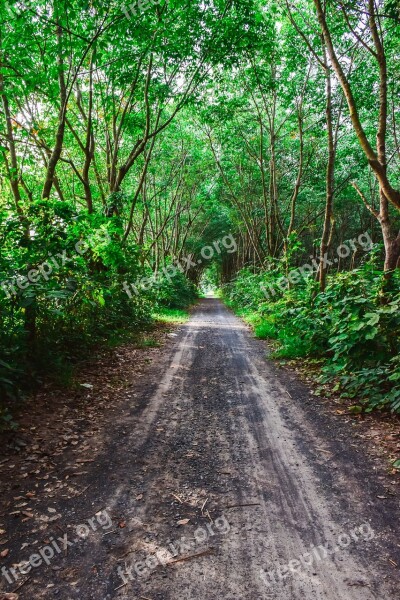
point(355, 335)
point(144, 151)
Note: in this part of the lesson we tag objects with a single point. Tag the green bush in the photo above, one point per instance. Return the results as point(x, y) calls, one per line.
point(50, 324)
point(175, 292)
point(354, 327)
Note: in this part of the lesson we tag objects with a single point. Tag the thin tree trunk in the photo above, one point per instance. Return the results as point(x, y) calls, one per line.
point(56, 154)
point(379, 168)
point(330, 181)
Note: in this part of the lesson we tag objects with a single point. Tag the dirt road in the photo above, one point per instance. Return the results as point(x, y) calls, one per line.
point(220, 480)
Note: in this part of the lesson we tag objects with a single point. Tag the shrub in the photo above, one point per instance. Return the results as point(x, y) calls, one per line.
point(354, 326)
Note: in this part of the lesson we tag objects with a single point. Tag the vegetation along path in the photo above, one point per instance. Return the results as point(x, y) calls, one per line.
point(217, 481)
point(151, 154)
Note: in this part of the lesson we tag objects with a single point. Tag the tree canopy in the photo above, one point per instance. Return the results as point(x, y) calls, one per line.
point(131, 137)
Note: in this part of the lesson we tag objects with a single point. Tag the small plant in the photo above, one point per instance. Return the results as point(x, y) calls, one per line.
point(148, 343)
point(7, 422)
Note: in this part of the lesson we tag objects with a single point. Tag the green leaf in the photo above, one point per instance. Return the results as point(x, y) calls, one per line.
point(356, 409)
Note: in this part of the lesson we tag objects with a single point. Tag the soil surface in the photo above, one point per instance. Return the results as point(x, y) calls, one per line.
point(213, 476)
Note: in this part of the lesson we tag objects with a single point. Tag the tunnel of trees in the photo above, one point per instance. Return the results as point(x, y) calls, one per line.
point(147, 146)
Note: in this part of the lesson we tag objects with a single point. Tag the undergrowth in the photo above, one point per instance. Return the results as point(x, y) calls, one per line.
point(353, 327)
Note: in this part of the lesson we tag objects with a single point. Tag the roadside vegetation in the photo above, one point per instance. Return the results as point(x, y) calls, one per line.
point(349, 327)
point(225, 144)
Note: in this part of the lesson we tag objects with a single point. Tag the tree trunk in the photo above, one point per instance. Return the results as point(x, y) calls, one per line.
point(330, 183)
point(392, 245)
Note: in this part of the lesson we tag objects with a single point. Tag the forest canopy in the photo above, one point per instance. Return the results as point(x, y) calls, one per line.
point(134, 136)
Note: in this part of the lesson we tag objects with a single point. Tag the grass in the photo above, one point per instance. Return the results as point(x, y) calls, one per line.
point(249, 316)
point(175, 316)
point(264, 330)
point(218, 293)
point(148, 343)
point(142, 337)
point(283, 343)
